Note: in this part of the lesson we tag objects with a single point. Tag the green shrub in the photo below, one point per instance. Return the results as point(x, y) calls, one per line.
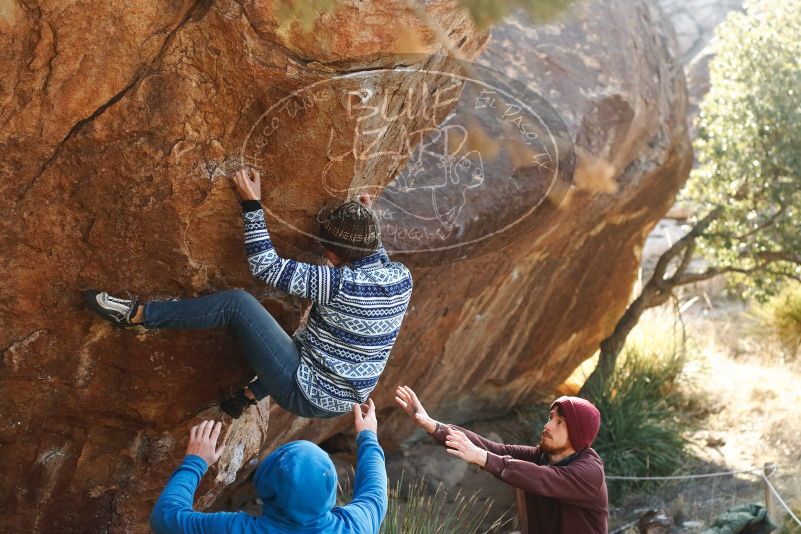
point(641, 431)
point(414, 510)
point(780, 317)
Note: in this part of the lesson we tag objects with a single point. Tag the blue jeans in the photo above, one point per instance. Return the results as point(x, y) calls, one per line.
point(272, 354)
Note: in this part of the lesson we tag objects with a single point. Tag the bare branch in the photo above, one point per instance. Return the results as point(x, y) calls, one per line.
point(685, 260)
point(682, 244)
point(692, 278)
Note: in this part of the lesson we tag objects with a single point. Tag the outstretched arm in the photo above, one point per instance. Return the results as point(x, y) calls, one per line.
point(578, 482)
point(315, 282)
point(520, 452)
point(369, 504)
point(407, 399)
point(306, 280)
point(173, 511)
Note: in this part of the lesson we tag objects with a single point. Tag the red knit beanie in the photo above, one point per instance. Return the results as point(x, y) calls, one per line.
point(582, 419)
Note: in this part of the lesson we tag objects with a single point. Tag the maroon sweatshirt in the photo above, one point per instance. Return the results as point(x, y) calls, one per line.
point(566, 498)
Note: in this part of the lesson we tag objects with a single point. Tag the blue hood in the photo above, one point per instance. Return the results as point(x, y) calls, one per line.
point(297, 484)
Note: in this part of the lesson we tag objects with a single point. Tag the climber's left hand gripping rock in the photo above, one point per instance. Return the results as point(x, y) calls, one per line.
point(248, 183)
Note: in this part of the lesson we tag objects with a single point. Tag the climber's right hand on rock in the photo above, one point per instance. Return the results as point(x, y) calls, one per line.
point(248, 183)
point(407, 399)
point(203, 442)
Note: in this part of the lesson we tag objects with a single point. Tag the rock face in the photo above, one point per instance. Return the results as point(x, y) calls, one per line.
point(118, 125)
point(695, 22)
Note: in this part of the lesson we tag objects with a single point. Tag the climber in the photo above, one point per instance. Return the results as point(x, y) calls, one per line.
point(297, 485)
point(333, 361)
point(560, 483)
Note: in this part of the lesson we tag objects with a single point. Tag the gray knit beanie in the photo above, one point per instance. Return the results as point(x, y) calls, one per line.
point(351, 230)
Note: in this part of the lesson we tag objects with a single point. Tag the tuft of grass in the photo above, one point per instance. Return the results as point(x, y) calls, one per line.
point(641, 432)
point(790, 526)
point(780, 318)
point(413, 509)
point(645, 407)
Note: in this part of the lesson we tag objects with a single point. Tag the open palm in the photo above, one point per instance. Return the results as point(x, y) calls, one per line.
point(406, 398)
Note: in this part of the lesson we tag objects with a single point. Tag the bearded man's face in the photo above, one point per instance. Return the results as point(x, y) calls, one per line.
point(554, 439)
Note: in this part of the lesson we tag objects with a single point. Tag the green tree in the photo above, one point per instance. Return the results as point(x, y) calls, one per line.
point(749, 147)
point(746, 186)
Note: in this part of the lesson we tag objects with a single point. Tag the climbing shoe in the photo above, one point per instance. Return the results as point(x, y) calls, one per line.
point(117, 310)
point(236, 404)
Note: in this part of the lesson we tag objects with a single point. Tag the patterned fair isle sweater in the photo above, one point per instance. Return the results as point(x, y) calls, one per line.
point(353, 322)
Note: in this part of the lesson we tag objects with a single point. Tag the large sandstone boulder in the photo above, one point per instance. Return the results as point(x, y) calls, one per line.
point(119, 123)
point(695, 22)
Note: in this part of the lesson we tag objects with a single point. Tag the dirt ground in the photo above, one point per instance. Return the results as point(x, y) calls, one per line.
point(752, 405)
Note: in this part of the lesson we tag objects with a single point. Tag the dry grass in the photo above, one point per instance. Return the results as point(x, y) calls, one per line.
point(744, 394)
point(661, 332)
point(749, 415)
point(745, 402)
point(779, 322)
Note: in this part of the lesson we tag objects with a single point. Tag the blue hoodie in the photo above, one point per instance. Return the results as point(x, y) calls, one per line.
point(297, 484)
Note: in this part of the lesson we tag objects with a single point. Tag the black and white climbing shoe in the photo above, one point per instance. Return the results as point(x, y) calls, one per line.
point(236, 404)
point(117, 310)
